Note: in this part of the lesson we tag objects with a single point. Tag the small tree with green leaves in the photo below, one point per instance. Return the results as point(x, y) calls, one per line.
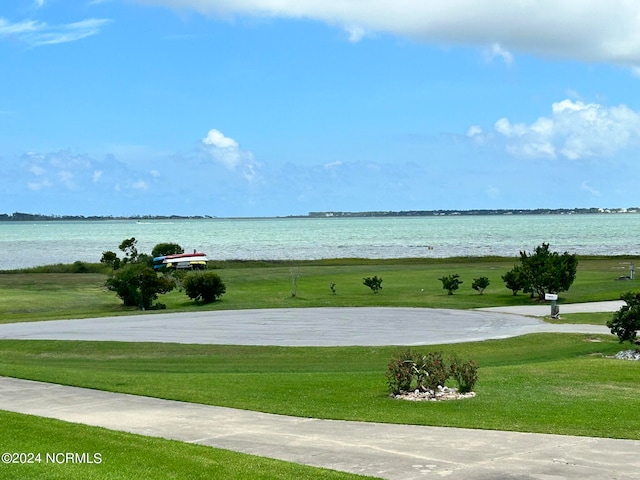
point(163, 249)
point(111, 260)
point(514, 279)
point(374, 283)
point(480, 284)
point(139, 285)
point(205, 287)
point(130, 250)
point(451, 283)
point(626, 321)
point(545, 271)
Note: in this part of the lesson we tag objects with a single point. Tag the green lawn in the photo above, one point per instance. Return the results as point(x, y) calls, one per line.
point(122, 456)
point(406, 282)
point(552, 383)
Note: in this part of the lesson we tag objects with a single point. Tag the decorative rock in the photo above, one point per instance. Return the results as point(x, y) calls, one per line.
point(628, 355)
point(441, 393)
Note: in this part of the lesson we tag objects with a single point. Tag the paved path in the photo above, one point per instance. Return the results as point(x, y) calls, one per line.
point(297, 327)
point(402, 452)
point(544, 310)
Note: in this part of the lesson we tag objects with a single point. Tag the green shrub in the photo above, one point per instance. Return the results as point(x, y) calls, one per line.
point(465, 374)
point(374, 283)
point(400, 372)
point(626, 321)
point(451, 283)
point(205, 287)
point(163, 249)
point(479, 284)
point(436, 369)
point(138, 285)
point(409, 371)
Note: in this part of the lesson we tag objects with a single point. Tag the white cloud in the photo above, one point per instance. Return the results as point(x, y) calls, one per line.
point(474, 130)
point(575, 130)
point(496, 51)
point(217, 139)
point(97, 175)
point(58, 169)
point(227, 151)
point(37, 186)
point(36, 34)
point(19, 28)
point(355, 32)
point(140, 185)
point(332, 165)
point(590, 189)
point(590, 31)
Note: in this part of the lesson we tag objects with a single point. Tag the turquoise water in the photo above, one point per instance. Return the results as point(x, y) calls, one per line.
point(25, 244)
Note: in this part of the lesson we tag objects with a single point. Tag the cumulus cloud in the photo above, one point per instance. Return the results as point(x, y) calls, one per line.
point(35, 33)
point(227, 151)
point(590, 31)
point(574, 130)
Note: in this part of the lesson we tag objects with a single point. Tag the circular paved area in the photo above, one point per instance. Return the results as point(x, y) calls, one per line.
point(297, 327)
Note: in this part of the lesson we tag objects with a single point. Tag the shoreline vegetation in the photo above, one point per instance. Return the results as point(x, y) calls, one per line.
point(36, 217)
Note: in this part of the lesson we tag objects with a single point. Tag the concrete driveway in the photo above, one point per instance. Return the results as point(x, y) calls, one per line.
point(297, 327)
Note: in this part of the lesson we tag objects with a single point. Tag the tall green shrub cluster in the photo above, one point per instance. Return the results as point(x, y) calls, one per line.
point(542, 271)
point(204, 287)
point(410, 371)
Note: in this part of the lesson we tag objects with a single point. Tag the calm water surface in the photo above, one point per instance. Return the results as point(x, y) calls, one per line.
point(25, 244)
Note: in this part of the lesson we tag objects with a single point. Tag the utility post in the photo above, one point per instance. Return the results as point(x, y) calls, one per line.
point(555, 309)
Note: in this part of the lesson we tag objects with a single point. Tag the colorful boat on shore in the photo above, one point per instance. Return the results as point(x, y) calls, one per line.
point(181, 261)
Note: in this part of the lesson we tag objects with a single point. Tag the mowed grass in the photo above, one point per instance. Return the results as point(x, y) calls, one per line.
point(118, 455)
point(547, 383)
point(406, 282)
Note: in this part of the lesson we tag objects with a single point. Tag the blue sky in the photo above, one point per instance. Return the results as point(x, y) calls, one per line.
point(269, 108)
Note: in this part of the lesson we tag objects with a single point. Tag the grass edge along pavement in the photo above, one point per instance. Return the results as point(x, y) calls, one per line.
point(541, 383)
point(123, 455)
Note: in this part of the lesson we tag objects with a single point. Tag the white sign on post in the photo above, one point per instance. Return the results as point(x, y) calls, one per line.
point(550, 296)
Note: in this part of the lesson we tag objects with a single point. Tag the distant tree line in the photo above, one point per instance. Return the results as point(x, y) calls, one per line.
point(34, 217)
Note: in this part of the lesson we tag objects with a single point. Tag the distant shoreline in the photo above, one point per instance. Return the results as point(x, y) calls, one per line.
point(35, 217)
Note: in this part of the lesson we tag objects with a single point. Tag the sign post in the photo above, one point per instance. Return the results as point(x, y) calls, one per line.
point(555, 309)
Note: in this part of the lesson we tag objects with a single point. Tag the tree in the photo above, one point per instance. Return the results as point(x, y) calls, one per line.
point(205, 287)
point(110, 259)
point(138, 285)
point(451, 283)
point(130, 250)
point(626, 321)
point(374, 283)
point(162, 249)
point(514, 279)
point(479, 284)
point(544, 271)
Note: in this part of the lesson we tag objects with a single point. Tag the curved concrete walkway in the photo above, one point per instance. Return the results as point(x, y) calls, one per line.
point(402, 452)
point(297, 327)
